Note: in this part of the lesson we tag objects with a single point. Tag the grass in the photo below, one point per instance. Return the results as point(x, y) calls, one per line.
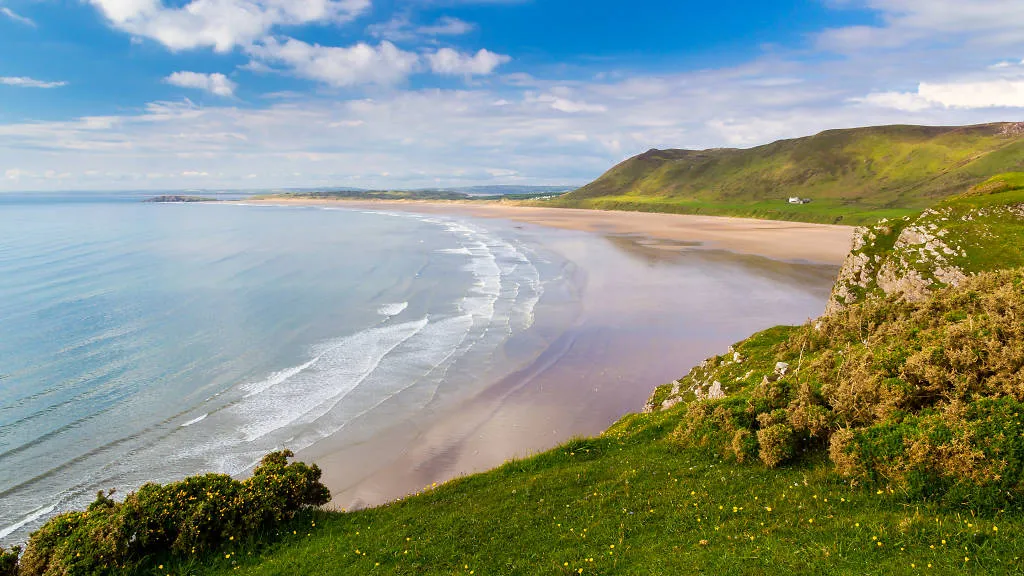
point(631, 502)
point(855, 176)
point(988, 219)
point(823, 211)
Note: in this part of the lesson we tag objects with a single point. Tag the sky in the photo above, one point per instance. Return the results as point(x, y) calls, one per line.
point(254, 94)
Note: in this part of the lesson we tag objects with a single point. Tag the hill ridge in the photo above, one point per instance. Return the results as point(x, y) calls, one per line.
point(852, 175)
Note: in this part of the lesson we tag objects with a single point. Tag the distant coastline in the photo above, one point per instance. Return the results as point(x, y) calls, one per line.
point(178, 198)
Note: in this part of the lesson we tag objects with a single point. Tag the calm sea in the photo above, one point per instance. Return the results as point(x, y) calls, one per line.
point(144, 342)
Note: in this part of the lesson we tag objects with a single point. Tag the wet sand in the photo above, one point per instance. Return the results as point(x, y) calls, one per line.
point(796, 241)
point(651, 308)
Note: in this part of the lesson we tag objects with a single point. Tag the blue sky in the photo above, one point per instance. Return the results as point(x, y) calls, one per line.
point(170, 94)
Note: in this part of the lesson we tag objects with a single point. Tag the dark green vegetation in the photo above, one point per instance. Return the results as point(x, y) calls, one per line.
point(854, 176)
point(924, 398)
point(162, 524)
point(9, 561)
point(886, 437)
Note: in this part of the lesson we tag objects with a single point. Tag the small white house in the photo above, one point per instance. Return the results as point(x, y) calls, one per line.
point(799, 200)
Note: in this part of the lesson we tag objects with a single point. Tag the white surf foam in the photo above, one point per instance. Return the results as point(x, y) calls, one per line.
point(392, 309)
point(32, 517)
point(284, 398)
point(195, 420)
point(276, 378)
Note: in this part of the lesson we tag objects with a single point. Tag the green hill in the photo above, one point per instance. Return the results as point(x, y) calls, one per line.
point(886, 437)
point(853, 176)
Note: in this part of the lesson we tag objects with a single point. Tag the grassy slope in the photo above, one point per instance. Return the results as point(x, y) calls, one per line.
point(631, 503)
point(634, 501)
point(855, 176)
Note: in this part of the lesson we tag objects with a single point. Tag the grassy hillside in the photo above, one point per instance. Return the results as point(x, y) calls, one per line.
point(884, 438)
point(854, 176)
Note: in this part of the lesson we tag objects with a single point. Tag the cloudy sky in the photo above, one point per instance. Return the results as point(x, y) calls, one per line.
point(170, 94)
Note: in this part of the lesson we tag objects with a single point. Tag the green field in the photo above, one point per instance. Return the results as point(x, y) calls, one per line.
point(853, 176)
point(633, 503)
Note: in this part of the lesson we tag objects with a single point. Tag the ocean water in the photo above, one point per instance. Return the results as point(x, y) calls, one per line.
point(145, 342)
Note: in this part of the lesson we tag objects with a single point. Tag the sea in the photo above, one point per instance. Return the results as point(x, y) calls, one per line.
point(142, 342)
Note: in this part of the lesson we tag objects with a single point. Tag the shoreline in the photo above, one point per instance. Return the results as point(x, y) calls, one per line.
point(602, 366)
point(775, 239)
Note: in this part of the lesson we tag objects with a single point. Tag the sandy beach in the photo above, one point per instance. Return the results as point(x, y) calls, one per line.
point(659, 293)
point(794, 241)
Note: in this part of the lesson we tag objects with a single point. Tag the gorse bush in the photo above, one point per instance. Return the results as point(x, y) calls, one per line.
point(928, 397)
point(190, 517)
point(9, 561)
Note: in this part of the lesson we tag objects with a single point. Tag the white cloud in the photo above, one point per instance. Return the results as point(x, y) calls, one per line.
point(1002, 93)
point(398, 29)
point(993, 94)
point(565, 105)
point(26, 82)
point(908, 21)
point(362, 63)
point(447, 26)
point(906, 101)
point(449, 62)
point(17, 17)
point(216, 83)
point(221, 24)
point(401, 28)
point(559, 98)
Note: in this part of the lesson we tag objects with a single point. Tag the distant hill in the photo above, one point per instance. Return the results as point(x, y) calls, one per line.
point(853, 176)
point(499, 192)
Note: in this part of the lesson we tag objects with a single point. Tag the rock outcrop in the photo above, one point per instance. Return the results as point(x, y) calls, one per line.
point(908, 258)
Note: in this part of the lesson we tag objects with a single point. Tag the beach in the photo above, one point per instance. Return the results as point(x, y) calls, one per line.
point(776, 239)
point(659, 293)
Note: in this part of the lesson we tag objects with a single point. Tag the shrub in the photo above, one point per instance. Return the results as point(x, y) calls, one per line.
point(808, 416)
point(9, 561)
point(973, 451)
point(922, 395)
point(193, 516)
point(776, 443)
point(841, 451)
point(712, 425)
point(744, 445)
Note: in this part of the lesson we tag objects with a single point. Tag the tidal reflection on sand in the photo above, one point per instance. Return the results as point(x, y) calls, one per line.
point(647, 311)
